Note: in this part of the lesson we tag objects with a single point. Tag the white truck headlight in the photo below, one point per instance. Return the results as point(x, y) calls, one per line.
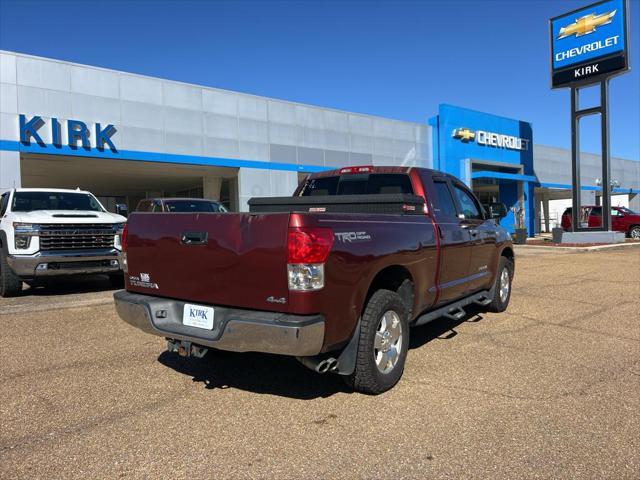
point(22, 242)
point(23, 233)
point(118, 228)
point(26, 228)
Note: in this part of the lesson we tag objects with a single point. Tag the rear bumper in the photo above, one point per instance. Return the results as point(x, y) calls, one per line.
point(234, 329)
point(66, 262)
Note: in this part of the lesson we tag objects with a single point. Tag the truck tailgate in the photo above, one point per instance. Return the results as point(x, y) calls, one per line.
point(234, 259)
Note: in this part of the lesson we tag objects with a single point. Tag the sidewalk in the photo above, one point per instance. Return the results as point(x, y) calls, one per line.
point(560, 248)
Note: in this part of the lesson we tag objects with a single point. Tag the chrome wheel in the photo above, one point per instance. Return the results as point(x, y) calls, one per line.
point(504, 285)
point(388, 342)
point(635, 233)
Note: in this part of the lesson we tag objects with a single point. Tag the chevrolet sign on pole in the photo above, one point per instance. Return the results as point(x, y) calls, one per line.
point(589, 43)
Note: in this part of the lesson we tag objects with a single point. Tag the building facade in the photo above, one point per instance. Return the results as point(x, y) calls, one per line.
point(126, 137)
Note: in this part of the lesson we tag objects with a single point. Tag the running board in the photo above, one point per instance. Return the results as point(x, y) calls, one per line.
point(455, 311)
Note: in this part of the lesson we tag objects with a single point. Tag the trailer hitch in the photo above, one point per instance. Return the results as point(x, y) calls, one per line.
point(185, 348)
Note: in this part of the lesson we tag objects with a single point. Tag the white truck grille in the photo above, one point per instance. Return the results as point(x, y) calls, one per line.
point(76, 237)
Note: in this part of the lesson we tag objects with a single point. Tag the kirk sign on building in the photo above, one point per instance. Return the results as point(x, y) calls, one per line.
point(72, 133)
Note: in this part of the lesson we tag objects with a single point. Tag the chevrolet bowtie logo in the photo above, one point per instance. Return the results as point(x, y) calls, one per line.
point(464, 134)
point(585, 25)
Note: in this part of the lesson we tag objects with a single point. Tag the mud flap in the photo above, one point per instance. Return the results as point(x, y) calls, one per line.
point(347, 359)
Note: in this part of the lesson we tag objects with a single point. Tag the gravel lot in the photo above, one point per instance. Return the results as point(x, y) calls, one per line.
point(549, 389)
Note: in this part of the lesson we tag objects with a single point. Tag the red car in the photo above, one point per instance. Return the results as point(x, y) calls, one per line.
point(333, 275)
point(622, 219)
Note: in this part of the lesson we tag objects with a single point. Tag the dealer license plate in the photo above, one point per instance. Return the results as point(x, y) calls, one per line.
point(197, 316)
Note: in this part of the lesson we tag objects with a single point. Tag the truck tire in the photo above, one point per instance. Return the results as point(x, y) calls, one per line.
point(10, 284)
point(502, 286)
point(383, 344)
point(634, 232)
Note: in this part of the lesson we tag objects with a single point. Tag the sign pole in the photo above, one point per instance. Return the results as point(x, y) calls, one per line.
point(576, 185)
point(575, 161)
point(606, 159)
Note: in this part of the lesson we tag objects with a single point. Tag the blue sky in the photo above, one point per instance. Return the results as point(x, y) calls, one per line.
point(398, 59)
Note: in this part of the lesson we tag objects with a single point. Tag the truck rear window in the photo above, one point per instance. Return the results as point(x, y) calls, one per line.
point(183, 206)
point(358, 184)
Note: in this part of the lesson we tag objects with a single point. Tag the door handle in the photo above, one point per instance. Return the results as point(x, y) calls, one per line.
point(470, 227)
point(194, 238)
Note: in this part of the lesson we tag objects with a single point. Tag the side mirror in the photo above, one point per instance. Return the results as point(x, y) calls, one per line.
point(121, 209)
point(498, 210)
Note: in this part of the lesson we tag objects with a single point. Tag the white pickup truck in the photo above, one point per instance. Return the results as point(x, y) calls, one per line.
point(50, 232)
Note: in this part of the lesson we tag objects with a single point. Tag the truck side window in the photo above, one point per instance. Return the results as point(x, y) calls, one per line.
point(468, 206)
point(4, 201)
point(445, 206)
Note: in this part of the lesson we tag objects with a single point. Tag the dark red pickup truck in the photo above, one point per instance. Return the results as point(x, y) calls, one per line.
point(334, 275)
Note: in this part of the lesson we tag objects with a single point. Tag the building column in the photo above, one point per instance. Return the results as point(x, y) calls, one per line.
point(508, 194)
point(529, 203)
point(545, 212)
point(211, 186)
point(233, 194)
point(9, 170)
point(634, 202)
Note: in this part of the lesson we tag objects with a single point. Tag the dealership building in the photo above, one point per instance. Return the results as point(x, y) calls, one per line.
point(126, 137)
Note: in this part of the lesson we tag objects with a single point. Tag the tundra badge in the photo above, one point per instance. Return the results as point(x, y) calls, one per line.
point(143, 280)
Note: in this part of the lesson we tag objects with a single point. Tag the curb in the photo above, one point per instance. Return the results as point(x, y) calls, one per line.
point(593, 248)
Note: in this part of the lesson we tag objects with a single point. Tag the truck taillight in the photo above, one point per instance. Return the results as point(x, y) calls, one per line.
point(309, 245)
point(307, 250)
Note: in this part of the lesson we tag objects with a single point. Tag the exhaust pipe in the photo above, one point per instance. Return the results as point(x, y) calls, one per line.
point(327, 365)
point(319, 365)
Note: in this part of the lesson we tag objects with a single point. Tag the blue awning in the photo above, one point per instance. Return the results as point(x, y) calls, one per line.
point(504, 176)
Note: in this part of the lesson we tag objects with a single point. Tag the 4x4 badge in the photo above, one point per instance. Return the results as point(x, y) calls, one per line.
point(272, 299)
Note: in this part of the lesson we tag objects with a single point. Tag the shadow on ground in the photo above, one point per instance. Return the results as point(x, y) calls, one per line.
point(256, 372)
point(69, 285)
point(285, 376)
point(443, 328)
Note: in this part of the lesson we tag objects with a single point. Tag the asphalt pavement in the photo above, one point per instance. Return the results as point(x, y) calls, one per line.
point(549, 389)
